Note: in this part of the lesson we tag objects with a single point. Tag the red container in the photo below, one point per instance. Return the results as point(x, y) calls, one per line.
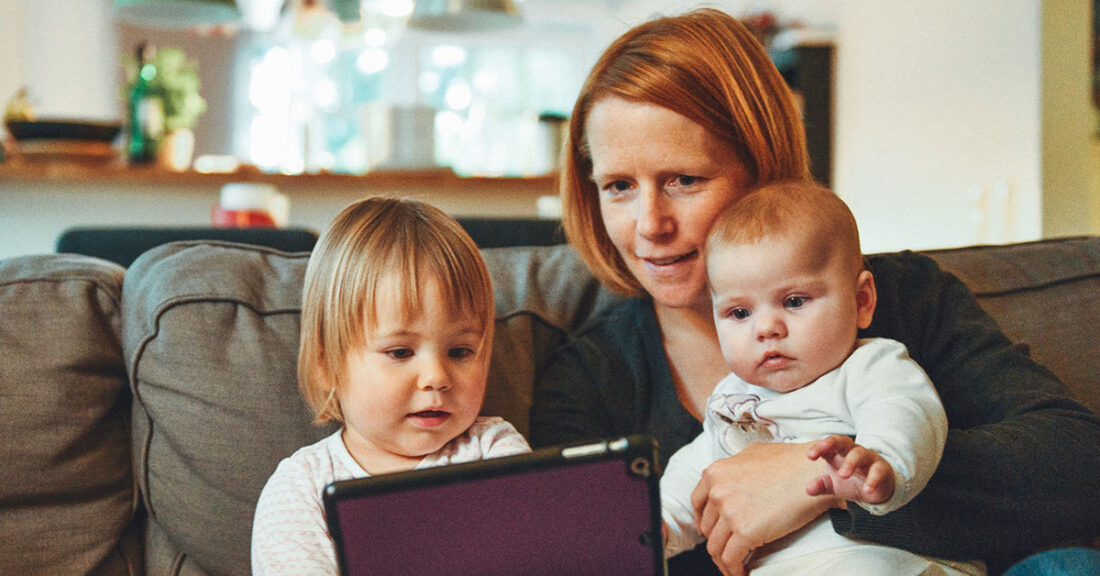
point(222, 218)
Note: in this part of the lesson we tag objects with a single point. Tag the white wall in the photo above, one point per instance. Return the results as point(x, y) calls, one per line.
point(66, 54)
point(939, 121)
point(11, 47)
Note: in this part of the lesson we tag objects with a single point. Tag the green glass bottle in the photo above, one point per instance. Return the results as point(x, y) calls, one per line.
point(146, 110)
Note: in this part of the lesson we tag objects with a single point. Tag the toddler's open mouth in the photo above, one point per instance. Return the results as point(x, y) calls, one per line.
point(429, 418)
point(430, 414)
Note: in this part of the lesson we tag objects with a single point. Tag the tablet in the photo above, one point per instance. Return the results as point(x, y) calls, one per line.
point(581, 509)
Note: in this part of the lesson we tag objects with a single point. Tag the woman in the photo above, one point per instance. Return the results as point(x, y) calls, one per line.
point(680, 117)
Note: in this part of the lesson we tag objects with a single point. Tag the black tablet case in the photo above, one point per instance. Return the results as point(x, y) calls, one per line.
point(576, 510)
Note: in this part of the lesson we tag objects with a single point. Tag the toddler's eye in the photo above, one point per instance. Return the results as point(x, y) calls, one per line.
point(796, 301)
point(461, 352)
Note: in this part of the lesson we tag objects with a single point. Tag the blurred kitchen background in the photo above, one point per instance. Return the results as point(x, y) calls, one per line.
point(949, 123)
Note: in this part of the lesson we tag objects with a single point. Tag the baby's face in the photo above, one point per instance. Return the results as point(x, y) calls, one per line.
point(785, 310)
point(416, 384)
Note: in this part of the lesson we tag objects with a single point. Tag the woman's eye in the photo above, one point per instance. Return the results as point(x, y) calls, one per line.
point(740, 313)
point(616, 188)
point(400, 353)
point(796, 301)
point(683, 180)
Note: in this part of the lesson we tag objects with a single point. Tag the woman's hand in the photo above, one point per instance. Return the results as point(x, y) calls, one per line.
point(755, 497)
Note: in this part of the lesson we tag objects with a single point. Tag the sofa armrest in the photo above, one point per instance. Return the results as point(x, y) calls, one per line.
point(67, 498)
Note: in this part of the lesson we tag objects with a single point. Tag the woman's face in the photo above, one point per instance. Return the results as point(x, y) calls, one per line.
point(662, 181)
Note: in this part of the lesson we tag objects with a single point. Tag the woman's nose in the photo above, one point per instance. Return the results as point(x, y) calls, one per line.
point(652, 218)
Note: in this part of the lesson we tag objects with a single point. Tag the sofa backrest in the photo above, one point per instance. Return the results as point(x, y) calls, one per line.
point(211, 343)
point(1045, 295)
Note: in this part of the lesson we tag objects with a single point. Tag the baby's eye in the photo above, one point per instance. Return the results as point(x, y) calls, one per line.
point(460, 352)
point(796, 301)
point(740, 313)
point(400, 353)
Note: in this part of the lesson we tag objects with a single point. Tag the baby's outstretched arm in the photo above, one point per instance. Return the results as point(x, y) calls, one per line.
point(855, 473)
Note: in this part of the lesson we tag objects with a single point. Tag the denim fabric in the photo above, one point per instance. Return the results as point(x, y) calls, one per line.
point(1058, 562)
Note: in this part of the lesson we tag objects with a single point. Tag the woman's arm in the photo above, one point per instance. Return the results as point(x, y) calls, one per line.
point(611, 378)
point(755, 497)
point(1019, 470)
point(568, 405)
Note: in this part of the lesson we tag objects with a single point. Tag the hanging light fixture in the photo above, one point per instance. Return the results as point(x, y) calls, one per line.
point(464, 15)
point(177, 13)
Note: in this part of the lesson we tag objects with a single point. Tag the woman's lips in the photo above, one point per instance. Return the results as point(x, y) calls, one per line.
point(668, 262)
point(429, 418)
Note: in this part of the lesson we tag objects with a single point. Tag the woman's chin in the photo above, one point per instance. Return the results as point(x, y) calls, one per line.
point(680, 297)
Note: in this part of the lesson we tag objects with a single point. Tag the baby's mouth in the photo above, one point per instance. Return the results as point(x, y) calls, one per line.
point(773, 358)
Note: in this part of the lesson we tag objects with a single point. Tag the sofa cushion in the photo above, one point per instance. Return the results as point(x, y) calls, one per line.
point(211, 339)
point(1046, 295)
point(66, 492)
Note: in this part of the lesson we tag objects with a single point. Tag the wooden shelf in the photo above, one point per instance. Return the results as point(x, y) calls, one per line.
point(107, 172)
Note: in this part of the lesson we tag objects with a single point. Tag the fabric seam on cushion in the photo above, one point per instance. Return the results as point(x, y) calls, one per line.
point(1083, 239)
point(94, 280)
point(1033, 287)
point(139, 351)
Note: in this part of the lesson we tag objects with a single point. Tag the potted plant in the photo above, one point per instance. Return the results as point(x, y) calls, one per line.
point(171, 78)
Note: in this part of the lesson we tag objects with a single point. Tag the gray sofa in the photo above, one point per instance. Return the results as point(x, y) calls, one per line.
point(142, 410)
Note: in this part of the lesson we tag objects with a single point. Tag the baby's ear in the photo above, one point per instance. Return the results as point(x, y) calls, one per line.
point(866, 298)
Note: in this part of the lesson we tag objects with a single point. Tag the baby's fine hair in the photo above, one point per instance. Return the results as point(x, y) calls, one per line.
point(786, 207)
point(386, 248)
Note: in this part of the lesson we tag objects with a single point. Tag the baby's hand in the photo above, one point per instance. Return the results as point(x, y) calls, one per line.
point(855, 473)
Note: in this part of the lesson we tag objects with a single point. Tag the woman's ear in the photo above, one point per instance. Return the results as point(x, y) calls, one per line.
point(866, 298)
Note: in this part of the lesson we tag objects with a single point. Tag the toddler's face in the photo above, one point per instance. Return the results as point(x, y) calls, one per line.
point(417, 383)
point(786, 311)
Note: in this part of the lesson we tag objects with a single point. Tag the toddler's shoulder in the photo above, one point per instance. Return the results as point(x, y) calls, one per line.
point(496, 437)
point(314, 464)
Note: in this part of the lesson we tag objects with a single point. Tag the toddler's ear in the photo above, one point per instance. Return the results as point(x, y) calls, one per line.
point(866, 297)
